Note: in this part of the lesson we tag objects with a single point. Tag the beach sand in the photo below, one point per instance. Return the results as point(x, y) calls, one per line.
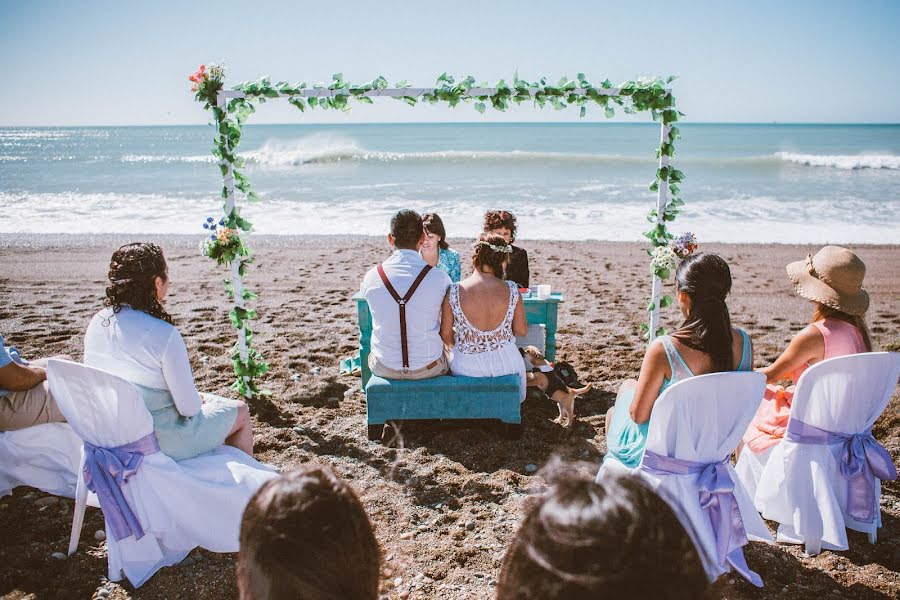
point(446, 504)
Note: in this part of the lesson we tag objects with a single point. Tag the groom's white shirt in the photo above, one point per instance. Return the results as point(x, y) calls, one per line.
point(423, 311)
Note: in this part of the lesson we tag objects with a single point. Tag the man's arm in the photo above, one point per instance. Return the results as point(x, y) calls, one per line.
point(18, 378)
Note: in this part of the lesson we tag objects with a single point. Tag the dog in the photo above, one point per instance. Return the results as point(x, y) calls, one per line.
point(540, 374)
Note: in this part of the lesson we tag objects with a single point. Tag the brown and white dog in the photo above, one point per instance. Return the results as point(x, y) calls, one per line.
point(551, 384)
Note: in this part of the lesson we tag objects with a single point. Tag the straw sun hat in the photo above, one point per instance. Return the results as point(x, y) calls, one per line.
point(832, 277)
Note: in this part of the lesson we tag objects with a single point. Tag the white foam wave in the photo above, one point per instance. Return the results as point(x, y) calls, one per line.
point(723, 219)
point(843, 161)
point(162, 158)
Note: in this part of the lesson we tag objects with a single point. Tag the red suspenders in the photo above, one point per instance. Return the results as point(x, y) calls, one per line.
point(402, 303)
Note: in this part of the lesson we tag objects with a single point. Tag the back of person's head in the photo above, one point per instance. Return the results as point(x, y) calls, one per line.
point(585, 540)
point(706, 278)
point(500, 219)
point(132, 275)
point(306, 535)
point(433, 224)
point(491, 251)
point(407, 230)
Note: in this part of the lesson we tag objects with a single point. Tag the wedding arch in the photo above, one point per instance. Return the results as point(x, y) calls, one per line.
point(231, 109)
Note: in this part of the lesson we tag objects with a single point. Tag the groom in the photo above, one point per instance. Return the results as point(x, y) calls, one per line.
point(405, 296)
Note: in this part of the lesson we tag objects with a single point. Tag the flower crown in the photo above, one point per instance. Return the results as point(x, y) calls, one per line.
point(500, 249)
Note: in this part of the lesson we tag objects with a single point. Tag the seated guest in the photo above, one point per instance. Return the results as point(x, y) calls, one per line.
point(25, 398)
point(435, 249)
point(615, 539)
point(306, 535)
point(404, 295)
point(503, 223)
point(134, 338)
point(482, 314)
point(832, 280)
point(704, 343)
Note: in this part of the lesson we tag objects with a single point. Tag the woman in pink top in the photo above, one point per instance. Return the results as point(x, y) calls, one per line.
point(832, 279)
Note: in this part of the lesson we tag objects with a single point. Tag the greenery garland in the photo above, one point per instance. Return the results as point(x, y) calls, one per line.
point(641, 95)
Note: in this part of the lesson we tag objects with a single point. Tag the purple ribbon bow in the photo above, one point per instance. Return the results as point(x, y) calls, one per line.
point(106, 470)
point(717, 499)
point(862, 460)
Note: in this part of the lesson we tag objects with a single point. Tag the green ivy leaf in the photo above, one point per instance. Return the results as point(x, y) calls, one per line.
point(665, 301)
point(609, 112)
point(479, 106)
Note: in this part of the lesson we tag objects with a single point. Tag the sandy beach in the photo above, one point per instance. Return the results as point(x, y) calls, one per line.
point(447, 502)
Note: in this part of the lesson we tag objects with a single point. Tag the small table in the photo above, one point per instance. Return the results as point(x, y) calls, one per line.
point(537, 312)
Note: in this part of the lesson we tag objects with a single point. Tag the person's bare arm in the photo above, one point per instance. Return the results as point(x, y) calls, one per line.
point(18, 378)
point(447, 322)
point(520, 323)
point(806, 346)
point(653, 371)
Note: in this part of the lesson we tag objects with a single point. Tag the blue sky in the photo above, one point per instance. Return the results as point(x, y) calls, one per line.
point(122, 63)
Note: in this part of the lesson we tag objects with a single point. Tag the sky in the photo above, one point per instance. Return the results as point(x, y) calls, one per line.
point(97, 62)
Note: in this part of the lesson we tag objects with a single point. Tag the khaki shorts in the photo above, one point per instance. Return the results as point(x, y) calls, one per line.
point(36, 406)
point(440, 366)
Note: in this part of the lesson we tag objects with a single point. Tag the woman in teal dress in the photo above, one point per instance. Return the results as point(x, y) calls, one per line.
point(135, 338)
point(436, 251)
point(704, 343)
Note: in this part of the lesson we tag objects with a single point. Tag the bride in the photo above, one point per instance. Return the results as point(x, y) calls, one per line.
point(482, 314)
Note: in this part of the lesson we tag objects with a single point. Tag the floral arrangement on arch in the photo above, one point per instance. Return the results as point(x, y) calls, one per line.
point(224, 244)
point(664, 259)
point(206, 83)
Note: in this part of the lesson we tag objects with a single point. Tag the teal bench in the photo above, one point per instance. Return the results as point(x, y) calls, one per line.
point(448, 397)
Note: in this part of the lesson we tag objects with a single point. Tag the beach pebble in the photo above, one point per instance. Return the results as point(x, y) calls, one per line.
point(102, 593)
point(299, 430)
point(841, 567)
point(530, 468)
point(470, 525)
point(46, 501)
point(407, 535)
point(204, 359)
point(403, 595)
point(188, 561)
point(333, 400)
point(295, 376)
point(99, 535)
point(398, 582)
point(58, 556)
point(315, 370)
point(29, 496)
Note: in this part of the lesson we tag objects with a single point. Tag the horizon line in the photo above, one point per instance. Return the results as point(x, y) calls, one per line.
point(834, 123)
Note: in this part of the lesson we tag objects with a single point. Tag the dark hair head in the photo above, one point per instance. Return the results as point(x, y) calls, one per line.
point(485, 256)
point(500, 219)
point(706, 278)
point(132, 279)
point(306, 535)
point(585, 540)
point(406, 227)
point(433, 224)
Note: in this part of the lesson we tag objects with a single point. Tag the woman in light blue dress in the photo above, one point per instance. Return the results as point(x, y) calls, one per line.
point(134, 338)
point(704, 343)
point(436, 251)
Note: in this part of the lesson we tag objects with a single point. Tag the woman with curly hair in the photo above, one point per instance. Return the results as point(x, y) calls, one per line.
point(134, 337)
point(503, 223)
point(482, 314)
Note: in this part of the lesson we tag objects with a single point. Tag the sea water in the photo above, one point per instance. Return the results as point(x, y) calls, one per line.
point(743, 183)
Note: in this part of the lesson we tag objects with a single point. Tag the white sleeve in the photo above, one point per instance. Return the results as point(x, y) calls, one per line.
point(176, 370)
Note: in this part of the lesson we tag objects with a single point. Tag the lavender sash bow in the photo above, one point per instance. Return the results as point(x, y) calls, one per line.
point(862, 460)
point(106, 470)
point(717, 500)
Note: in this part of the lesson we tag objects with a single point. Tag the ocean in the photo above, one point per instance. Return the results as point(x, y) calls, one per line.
point(744, 183)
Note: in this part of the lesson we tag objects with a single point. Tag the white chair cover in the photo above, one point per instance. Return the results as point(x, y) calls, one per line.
point(44, 456)
point(197, 502)
point(749, 469)
point(801, 486)
point(702, 419)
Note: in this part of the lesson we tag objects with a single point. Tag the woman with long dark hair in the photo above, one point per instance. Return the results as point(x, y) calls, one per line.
point(134, 337)
point(435, 249)
point(704, 343)
point(832, 281)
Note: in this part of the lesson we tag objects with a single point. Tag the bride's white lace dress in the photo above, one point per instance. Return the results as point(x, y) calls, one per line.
point(493, 353)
